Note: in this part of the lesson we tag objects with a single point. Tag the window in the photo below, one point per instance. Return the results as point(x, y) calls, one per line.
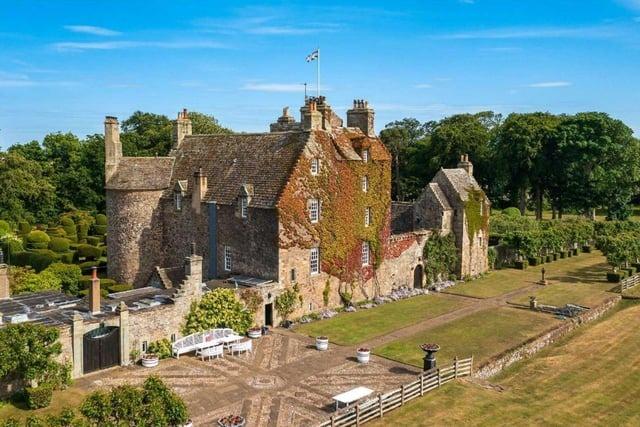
point(365, 253)
point(244, 207)
point(365, 155)
point(227, 258)
point(367, 217)
point(293, 275)
point(365, 184)
point(178, 198)
point(314, 210)
point(315, 166)
point(314, 261)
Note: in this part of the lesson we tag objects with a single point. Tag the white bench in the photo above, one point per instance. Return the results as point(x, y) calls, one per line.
point(242, 347)
point(211, 352)
point(351, 396)
point(201, 340)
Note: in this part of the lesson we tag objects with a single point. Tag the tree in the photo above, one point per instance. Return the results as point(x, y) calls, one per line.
point(219, 308)
point(146, 135)
point(203, 124)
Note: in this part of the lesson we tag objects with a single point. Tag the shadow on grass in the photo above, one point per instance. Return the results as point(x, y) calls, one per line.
point(596, 274)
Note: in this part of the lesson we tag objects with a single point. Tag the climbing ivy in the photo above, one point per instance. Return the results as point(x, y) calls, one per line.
point(440, 257)
point(477, 213)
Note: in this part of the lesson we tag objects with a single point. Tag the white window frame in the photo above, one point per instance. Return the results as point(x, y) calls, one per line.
point(314, 261)
point(314, 210)
point(244, 207)
point(366, 254)
point(315, 166)
point(365, 184)
point(367, 216)
point(365, 155)
point(228, 261)
point(178, 200)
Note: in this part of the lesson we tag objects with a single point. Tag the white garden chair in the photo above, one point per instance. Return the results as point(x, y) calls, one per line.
point(242, 347)
point(211, 352)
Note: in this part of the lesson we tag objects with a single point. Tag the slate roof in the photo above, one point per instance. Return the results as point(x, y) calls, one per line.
point(461, 181)
point(264, 160)
point(142, 173)
point(440, 196)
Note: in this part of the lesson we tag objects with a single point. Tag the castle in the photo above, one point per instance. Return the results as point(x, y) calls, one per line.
point(306, 204)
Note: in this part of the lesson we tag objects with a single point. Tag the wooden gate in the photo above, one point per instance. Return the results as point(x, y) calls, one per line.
point(101, 348)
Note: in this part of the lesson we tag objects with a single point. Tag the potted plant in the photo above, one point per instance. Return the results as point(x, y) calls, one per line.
point(231, 421)
point(254, 332)
point(322, 343)
point(150, 360)
point(363, 355)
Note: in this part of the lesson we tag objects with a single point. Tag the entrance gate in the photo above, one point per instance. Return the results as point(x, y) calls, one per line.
point(101, 348)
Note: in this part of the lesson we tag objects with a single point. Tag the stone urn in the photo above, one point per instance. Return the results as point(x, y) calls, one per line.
point(254, 333)
point(150, 360)
point(363, 355)
point(322, 343)
point(231, 421)
point(430, 356)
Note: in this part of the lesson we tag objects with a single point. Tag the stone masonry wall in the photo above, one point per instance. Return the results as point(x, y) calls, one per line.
point(134, 235)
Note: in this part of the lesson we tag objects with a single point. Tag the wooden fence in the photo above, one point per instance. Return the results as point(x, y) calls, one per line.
point(629, 282)
point(383, 403)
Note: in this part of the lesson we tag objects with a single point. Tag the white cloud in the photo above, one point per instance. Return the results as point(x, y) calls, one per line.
point(423, 86)
point(280, 87)
point(534, 33)
point(82, 46)
point(90, 29)
point(550, 84)
point(264, 25)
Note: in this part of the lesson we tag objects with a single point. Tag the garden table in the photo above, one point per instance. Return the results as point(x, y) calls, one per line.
point(351, 396)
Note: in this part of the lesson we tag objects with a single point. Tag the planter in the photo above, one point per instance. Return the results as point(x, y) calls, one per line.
point(150, 360)
point(231, 421)
point(254, 333)
point(322, 343)
point(363, 355)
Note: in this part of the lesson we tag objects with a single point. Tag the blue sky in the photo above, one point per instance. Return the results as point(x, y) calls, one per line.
point(64, 65)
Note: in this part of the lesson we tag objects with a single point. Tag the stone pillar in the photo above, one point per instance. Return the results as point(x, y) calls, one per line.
point(94, 292)
point(112, 146)
point(5, 291)
point(193, 271)
point(199, 190)
point(311, 117)
point(181, 128)
point(77, 336)
point(124, 333)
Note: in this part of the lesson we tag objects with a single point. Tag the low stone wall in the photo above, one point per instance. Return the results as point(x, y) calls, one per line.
point(532, 346)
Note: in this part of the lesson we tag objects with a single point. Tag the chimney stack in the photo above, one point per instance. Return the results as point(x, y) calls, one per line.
point(199, 190)
point(112, 146)
point(181, 128)
point(94, 292)
point(193, 269)
point(5, 291)
point(361, 116)
point(311, 117)
point(466, 164)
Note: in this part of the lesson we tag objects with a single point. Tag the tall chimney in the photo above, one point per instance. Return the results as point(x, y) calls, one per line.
point(193, 271)
point(94, 292)
point(112, 146)
point(199, 190)
point(5, 291)
point(181, 128)
point(311, 117)
point(361, 116)
point(466, 164)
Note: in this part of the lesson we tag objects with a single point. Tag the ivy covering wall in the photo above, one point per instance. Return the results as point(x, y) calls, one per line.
point(477, 213)
point(440, 257)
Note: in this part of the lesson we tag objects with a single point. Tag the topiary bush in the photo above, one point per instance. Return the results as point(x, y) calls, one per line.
point(59, 244)
point(100, 227)
point(85, 252)
point(69, 276)
point(69, 226)
point(38, 239)
point(511, 212)
point(24, 228)
point(121, 287)
point(56, 232)
point(94, 240)
point(101, 219)
point(88, 265)
point(67, 257)
point(615, 277)
point(83, 230)
point(85, 292)
point(5, 228)
point(38, 260)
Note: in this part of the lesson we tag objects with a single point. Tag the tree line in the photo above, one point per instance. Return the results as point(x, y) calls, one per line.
point(566, 163)
point(42, 179)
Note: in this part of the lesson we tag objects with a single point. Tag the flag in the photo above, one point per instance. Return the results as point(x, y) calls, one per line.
point(313, 55)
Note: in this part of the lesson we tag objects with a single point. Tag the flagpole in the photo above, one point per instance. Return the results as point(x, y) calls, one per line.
point(318, 76)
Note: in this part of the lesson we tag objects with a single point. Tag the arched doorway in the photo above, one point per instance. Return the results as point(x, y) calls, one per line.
point(417, 277)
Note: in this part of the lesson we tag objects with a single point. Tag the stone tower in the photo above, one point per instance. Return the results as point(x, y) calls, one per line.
point(361, 116)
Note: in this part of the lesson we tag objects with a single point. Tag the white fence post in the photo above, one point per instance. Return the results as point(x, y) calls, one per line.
point(380, 404)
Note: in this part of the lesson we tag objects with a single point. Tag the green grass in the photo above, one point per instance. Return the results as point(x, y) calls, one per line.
point(559, 294)
point(584, 268)
point(69, 398)
point(363, 325)
point(482, 334)
point(633, 292)
point(573, 382)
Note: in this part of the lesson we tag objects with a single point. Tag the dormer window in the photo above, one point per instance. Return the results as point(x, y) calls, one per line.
point(179, 191)
point(365, 184)
point(314, 210)
point(365, 155)
point(178, 200)
point(315, 166)
point(244, 207)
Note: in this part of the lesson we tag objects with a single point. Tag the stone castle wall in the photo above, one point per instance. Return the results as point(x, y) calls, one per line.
point(134, 235)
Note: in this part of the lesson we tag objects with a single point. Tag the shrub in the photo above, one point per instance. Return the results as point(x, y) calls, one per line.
point(286, 302)
point(85, 292)
point(38, 397)
point(59, 244)
point(511, 212)
point(26, 280)
point(69, 275)
point(326, 293)
point(615, 277)
point(11, 244)
point(38, 239)
point(534, 260)
point(521, 265)
point(161, 348)
point(100, 230)
point(67, 257)
point(101, 219)
point(107, 283)
point(121, 287)
point(549, 258)
point(83, 230)
point(88, 252)
point(56, 232)
point(68, 225)
point(630, 270)
point(5, 228)
point(440, 257)
point(563, 254)
point(24, 228)
point(88, 265)
point(492, 255)
point(586, 248)
point(218, 308)
point(252, 299)
point(93, 240)
point(41, 260)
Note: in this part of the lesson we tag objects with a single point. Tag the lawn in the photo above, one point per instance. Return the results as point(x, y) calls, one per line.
point(363, 325)
point(482, 334)
point(585, 268)
point(69, 398)
point(559, 294)
point(633, 292)
point(573, 382)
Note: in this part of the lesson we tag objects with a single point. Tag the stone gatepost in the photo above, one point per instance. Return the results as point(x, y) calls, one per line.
point(77, 334)
point(124, 333)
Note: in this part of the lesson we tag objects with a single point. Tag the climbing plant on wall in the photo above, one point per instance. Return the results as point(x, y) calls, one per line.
point(440, 257)
point(477, 212)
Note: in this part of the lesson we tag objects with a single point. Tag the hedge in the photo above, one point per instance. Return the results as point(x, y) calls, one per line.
point(5, 228)
point(521, 265)
point(513, 212)
point(67, 257)
point(534, 260)
point(94, 240)
point(88, 265)
point(120, 288)
point(101, 219)
point(630, 270)
point(563, 254)
point(88, 252)
point(83, 230)
point(100, 230)
point(37, 260)
point(56, 232)
point(24, 228)
point(615, 277)
point(38, 240)
point(85, 283)
point(11, 247)
point(59, 244)
point(103, 293)
point(38, 397)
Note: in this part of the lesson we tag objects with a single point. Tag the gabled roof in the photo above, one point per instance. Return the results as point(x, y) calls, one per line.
point(142, 173)
point(440, 196)
point(229, 162)
point(461, 181)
